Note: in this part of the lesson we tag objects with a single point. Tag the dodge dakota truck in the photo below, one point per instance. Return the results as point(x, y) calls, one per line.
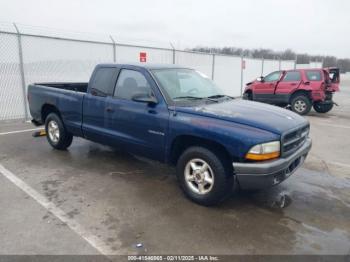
point(178, 116)
point(301, 89)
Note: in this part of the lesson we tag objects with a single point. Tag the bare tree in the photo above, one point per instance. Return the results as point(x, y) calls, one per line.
point(288, 54)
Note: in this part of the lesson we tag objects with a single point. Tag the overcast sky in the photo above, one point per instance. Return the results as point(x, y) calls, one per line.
point(313, 26)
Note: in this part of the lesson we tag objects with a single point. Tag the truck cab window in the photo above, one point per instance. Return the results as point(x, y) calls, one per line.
point(129, 83)
point(275, 76)
point(103, 82)
point(292, 76)
point(182, 83)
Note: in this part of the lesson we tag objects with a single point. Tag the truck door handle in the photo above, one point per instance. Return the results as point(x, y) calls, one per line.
point(109, 109)
point(293, 84)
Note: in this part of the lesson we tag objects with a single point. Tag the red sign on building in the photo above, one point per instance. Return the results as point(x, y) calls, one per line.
point(143, 57)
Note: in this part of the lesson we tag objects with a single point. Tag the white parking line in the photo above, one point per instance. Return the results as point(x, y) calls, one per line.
point(20, 131)
point(331, 125)
point(338, 164)
point(93, 240)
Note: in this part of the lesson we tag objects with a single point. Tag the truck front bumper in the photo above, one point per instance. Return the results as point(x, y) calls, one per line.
point(269, 173)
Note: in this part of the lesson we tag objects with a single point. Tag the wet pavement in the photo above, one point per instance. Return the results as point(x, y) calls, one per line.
point(123, 200)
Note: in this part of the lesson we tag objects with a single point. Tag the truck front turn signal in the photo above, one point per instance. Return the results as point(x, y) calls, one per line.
point(264, 151)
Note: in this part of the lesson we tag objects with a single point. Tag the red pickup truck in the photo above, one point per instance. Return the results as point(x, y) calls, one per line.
point(300, 89)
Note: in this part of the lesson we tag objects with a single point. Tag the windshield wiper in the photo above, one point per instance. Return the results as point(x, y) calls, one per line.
point(187, 97)
point(195, 98)
point(220, 96)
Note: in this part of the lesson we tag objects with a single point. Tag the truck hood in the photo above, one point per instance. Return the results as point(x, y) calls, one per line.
point(258, 115)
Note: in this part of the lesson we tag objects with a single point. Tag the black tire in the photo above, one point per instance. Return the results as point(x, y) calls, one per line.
point(64, 139)
point(301, 104)
point(248, 96)
point(323, 108)
point(222, 176)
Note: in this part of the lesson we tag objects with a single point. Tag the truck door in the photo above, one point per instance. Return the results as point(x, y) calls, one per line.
point(95, 110)
point(288, 84)
point(316, 81)
point(138, 125)
point(264, 91)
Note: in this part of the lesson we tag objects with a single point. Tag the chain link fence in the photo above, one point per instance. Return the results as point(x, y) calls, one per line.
point(29, 55)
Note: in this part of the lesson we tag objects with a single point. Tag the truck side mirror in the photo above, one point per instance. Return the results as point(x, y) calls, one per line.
point(260, 79)
point(144, 98)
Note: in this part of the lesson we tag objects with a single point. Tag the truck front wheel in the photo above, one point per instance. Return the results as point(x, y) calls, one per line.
point(248, 96)
point(204, 176)
point(301, 104)
point(323, 108)
point(56, 133)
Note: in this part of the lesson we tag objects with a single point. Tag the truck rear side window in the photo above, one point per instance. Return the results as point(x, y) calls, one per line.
point(129, 83)
point(103, 82)
point(313, 75)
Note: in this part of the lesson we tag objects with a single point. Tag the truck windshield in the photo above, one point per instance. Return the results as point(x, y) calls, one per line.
point(187, 84)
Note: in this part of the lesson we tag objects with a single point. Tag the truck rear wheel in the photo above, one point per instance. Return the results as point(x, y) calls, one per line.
point(56, 133)
point(301, 104)
point(204, 177)
point(323, 108)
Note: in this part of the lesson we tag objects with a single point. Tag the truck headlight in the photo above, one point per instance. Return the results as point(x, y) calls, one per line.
point(264, 151)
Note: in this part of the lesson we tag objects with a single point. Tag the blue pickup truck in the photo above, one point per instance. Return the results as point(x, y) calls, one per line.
point(178, 116)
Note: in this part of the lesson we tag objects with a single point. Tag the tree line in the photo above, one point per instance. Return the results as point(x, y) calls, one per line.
point(288, 54)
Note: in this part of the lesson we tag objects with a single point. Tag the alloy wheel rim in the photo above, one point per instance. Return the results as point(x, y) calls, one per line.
point(199, 176)
point(53, 131)
point(300, 106)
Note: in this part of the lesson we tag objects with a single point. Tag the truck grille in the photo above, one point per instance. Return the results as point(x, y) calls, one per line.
point(294, 139)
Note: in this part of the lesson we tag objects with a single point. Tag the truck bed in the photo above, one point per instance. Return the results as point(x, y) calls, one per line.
point(78, 87)
point(66, 97)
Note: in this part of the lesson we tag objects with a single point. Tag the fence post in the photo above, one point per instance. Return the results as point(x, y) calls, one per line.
point(213, 67)
point(279, 63)
point(173, 48)
point(296, 61)
point(114, 50)
point(262, 66)
point(242, 59)
point(21, 67)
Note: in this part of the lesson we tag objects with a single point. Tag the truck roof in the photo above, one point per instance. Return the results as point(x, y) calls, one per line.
point(142, 65)
point(313, 69)
point(303, 69)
